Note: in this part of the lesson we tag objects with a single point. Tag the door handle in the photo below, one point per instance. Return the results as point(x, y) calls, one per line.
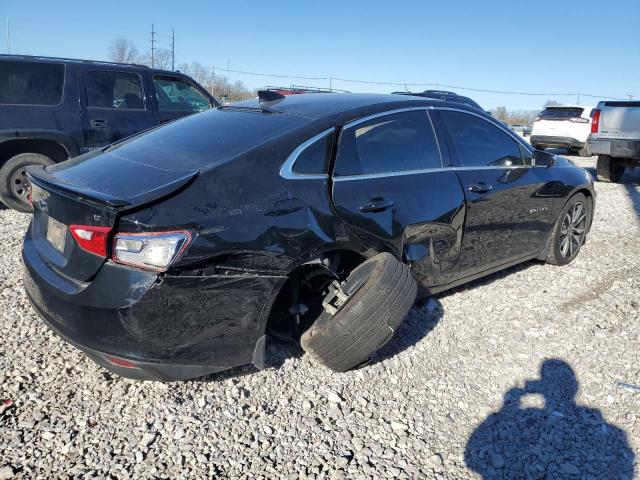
point(480, 187)
point(376, 204)
point(99, 123)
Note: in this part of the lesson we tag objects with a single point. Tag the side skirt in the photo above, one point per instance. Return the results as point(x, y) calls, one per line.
point(441, 288)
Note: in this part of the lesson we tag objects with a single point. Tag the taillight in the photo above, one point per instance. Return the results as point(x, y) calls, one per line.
point(91, 238)
point(595, 121)
point(152, 250)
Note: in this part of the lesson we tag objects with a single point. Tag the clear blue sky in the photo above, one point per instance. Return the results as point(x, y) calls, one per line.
point(589, 46)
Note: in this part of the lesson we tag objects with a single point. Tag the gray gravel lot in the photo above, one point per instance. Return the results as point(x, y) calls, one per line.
point(460, 392)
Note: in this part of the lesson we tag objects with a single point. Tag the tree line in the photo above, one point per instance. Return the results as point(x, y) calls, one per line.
point(122, 50)
point(520, 117)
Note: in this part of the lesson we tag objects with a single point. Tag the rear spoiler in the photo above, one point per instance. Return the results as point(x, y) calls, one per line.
point(38, 175)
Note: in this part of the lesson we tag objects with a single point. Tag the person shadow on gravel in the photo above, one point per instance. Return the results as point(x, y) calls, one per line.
point(561, 440)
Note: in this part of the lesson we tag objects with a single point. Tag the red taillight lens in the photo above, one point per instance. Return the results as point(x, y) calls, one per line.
point(595, 121)
point(91, 238)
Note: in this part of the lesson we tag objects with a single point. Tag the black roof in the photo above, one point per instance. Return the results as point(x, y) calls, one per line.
point(323, 105)
point(35, 58)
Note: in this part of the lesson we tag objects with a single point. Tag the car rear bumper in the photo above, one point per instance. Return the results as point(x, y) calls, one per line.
point(143, 326)
point(551, 141)
point(614, 147)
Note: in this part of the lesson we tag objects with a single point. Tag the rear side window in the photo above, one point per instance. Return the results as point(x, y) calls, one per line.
point(314, 159)
point(31, 83)
point(479, 143)
point(561, 113)
point(397, 142)
point(178, 95)
point(118, 90)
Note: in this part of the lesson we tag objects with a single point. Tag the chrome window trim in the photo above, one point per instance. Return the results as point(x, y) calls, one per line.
point(286, 170)
point(426, 170)
point(353, 123)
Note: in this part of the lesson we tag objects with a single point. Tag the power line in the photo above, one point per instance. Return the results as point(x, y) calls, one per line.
point(413, 84)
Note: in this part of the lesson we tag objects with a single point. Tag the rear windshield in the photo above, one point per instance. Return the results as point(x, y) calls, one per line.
point(31, 83)
point(205, 139)
point(561, 113)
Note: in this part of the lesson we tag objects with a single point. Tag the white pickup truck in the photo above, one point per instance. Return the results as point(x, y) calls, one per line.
point(615, 138)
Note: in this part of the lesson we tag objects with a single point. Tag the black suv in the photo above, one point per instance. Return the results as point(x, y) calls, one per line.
point(52, 109)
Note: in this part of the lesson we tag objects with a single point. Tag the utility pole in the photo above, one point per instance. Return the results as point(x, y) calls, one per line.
point(153, 45)
point(330, 84)
point(228, 78)
point(173, 50)
point(630, 97)
point(8, 38)
point(213, 78)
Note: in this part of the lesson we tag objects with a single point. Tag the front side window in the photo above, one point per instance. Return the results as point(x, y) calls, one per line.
point(118, 90)
point(478, 143)
point(397, 142)
point(177, 95)
point(31, 83)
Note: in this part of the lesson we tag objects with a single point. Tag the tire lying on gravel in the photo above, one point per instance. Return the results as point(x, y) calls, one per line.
point(609, 169)
point(362, 314)
point(570, 230)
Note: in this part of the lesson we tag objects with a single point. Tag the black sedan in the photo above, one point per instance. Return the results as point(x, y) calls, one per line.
point(171, 254)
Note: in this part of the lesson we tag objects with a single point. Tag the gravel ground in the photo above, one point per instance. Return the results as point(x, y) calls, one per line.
point(479, 382)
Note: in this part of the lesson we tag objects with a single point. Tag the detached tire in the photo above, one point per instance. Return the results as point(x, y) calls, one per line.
point(14, 187)
point(609, 169)
point(380, 292)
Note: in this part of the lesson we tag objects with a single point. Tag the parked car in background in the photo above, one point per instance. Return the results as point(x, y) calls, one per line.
point(444, 95)
point(52, 109)
point(525, 130)
point(562, 127)
point(170, 255)
point(615, 138)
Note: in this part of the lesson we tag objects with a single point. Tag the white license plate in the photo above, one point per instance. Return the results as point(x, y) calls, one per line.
point(56, 234)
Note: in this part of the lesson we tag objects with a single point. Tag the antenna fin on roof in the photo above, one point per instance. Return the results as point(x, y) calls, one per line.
point(269, 97)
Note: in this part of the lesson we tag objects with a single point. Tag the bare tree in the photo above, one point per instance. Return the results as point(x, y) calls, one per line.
point(162, 59)
point(122, 50)
point(551, 103)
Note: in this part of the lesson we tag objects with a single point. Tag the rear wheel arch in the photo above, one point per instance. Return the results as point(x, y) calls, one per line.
point(53, 149)
point(324, 268)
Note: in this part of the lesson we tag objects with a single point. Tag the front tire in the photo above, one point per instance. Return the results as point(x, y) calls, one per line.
point(376, 297)
point(570, 231)
point(14, 186)
point(609, 169)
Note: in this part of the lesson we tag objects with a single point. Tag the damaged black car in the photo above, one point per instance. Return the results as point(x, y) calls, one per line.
point(172, 254)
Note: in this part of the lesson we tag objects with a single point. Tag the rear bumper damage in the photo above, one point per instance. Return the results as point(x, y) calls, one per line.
point(144, 326)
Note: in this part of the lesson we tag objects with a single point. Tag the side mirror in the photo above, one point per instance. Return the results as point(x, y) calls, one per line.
point(543, 159)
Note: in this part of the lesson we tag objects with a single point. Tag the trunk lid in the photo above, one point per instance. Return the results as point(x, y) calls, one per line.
point(91, 190)
point(619, 120)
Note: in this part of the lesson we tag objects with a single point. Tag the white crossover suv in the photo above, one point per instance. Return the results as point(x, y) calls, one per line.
point(566, 126)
